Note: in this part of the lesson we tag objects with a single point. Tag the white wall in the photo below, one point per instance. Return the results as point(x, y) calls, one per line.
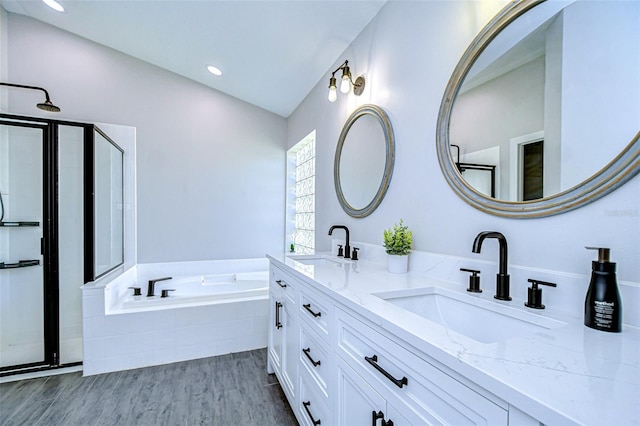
point(408, 53)
point(210, 168)
point(3, 56)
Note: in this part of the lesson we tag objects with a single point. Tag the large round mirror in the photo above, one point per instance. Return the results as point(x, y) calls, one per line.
point(364, 160)
point(542, 114)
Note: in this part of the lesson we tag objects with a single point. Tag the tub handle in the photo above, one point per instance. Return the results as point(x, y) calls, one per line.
point(137, 291)
point(165, 291)
point(282, 283)
point(278, 323)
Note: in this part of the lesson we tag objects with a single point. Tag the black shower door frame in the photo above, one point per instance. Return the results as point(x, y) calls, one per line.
point(50, 238)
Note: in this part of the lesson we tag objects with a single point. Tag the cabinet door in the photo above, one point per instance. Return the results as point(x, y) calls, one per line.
point(275, 334)
point(356, 400)
point(290, 348)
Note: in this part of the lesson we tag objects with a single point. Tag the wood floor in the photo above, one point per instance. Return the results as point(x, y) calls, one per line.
point(231, 389)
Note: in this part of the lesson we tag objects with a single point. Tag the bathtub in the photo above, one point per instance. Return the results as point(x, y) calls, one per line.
point(218, 307)
point(201, 290)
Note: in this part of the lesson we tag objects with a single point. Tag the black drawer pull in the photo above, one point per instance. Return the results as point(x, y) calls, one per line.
point(374, 361)
point(278, 323)
point(281, 283)
point(308, 308)
point(19, 264)
point(379, 415)
point(306, 352)
point(306, 405)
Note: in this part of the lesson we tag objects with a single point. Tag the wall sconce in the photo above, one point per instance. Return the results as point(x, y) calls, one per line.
point(47, 105)
point(346, 82)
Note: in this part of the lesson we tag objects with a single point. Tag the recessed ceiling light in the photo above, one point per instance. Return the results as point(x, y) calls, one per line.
point(53, 4)
point(214, 70)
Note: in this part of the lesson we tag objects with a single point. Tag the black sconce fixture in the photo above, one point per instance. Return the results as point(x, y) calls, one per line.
point(347, 82)
point(46, 105)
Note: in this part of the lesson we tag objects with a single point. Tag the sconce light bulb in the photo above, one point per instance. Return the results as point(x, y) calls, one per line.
point(345, 85)
point(333, 93)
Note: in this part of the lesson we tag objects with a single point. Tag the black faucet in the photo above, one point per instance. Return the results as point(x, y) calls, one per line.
point(502, 279)
point(347, 248)
point(152, 284)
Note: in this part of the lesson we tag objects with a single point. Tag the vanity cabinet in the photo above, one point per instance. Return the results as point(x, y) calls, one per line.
point(337, 367)
point(357, 403)
point(316, 356)
point(283, 335)
point(409, 384)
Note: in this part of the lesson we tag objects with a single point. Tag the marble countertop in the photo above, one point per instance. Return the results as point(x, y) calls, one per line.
point(570, 374)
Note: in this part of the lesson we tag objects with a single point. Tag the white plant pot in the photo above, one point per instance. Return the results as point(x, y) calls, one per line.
point(397, 264)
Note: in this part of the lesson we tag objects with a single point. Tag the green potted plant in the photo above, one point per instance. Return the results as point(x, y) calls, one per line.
point(397, 244)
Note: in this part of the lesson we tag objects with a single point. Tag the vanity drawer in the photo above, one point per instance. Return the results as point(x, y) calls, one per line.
point(317, 312)
point(312, 408)
point(316, 359)
point(398, 373)
point(283, 283)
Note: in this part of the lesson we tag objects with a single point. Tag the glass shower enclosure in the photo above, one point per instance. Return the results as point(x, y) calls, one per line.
point(47, 235)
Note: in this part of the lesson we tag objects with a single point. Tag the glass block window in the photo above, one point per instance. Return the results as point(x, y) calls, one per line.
point(301, 199)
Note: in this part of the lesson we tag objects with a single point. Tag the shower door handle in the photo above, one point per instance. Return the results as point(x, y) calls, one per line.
point(42, 246)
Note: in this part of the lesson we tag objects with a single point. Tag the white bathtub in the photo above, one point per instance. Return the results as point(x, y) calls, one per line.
point(200, 290)
point(218, 307)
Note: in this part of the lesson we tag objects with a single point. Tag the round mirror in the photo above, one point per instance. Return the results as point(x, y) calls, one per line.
point(364, 160)
point(542, 114)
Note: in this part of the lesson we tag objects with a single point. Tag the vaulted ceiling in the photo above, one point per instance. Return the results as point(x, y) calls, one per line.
point(271, 52)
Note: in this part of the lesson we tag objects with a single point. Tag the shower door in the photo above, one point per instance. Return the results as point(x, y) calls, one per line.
point(25, 299)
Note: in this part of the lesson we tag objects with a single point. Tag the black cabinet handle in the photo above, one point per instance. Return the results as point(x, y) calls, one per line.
point(308, 308)
point(375, 416)
point(306, 352)
point(278, 323)
point(379, 415)
point(306, 405)
point(19, 264)
point(281, 283)
point(374, 361)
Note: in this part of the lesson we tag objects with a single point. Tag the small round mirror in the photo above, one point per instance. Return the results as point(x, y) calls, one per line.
point(364, 160)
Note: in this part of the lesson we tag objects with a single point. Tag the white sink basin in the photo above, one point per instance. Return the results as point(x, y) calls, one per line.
point(478, 319)
point(316, 259)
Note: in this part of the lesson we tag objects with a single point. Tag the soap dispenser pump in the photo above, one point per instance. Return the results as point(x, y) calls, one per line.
point(602, 307)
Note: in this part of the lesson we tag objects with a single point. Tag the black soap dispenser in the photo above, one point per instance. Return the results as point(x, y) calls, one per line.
point(602, 307)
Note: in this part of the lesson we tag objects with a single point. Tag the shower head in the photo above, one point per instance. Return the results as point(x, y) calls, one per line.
point(47, 105)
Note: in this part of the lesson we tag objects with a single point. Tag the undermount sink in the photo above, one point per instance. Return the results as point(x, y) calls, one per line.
point(481, 320)
point(316, 259)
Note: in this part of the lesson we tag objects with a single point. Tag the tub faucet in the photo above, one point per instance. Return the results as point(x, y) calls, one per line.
point(347, 248)
point(152, 284)
point(502, 279)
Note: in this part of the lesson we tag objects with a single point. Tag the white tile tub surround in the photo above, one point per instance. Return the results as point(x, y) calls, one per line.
point(115, 341)
point(568, 297)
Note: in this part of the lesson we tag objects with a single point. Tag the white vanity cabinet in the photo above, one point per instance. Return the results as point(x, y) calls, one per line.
point(283, 335)
point(338, 367)
point(316, 356)
point(409, 385)
point(357, 403)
